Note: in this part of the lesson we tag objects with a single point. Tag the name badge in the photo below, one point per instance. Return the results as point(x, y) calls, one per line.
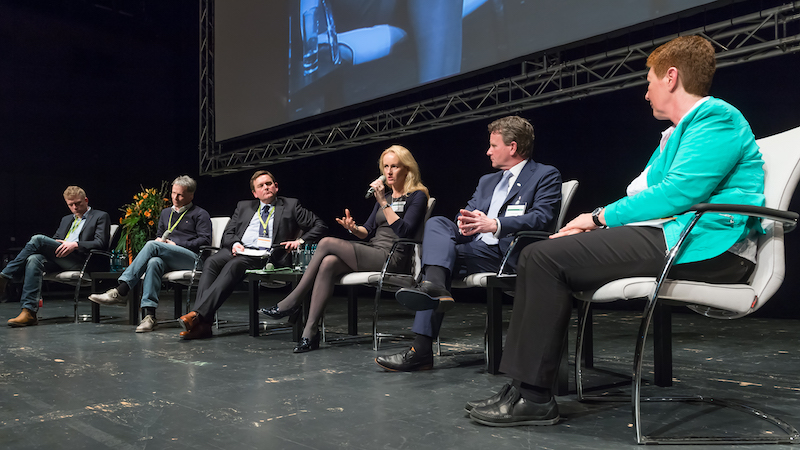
point(399, 206)
point(515, 210)
point(264, 243)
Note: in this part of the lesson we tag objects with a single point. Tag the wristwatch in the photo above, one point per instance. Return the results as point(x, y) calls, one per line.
point(596, 217)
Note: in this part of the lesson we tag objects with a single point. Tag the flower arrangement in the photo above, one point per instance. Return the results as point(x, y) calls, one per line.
point(140, 222)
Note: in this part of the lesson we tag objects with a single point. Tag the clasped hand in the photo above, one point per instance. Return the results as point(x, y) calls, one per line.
point(475, 222)
point(65, 248)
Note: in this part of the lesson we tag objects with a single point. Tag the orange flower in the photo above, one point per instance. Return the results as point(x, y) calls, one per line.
point(147, 214)
point(144, 195)
point(150, 223)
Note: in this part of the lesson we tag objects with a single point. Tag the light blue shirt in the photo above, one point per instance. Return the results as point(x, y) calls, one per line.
point(250, 236)
point(76, 233)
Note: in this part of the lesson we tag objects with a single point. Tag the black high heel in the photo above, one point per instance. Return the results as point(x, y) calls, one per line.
point(275, 313)
point(306, 345)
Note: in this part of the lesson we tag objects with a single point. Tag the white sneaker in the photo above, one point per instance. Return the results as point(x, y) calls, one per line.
point(148, 324)
point(110, 297)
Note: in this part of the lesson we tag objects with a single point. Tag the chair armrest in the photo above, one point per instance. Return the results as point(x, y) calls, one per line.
point(519, 235)
point(207, 249)
point(788, 218)
point(404, 241)
point(94, 252)
point(396, 243)
point(100, 252)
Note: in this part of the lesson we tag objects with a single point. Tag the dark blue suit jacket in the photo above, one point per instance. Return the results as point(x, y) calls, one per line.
point(538, 187)
point(94, 234)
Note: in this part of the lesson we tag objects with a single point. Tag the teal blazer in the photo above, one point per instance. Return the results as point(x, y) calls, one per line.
point(711, 157)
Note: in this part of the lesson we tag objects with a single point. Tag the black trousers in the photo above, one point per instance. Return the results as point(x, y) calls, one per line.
point(221, 272)
point(548, 272)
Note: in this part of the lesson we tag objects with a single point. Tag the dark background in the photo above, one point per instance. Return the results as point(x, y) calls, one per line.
point(105, 95)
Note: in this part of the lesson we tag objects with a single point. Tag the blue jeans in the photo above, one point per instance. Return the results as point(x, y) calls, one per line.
point(155, 259)
point(37, 257)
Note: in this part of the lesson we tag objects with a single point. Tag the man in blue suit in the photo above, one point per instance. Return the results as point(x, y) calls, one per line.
point(524, 195)
point(80, 232)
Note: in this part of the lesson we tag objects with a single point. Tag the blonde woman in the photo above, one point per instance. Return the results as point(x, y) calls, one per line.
point(398, 213)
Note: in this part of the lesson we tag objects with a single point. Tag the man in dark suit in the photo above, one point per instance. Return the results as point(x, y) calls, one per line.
point(524, 195)
point(269, 226)
point(84, 230)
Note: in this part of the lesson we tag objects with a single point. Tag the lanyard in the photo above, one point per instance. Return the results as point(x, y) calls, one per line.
point(170, 226)
point(74, 226)
point(269, 216)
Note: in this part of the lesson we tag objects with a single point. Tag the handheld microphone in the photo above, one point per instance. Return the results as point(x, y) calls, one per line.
point(371, 190)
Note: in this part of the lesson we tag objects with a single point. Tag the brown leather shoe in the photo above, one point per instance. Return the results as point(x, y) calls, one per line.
point(25, 318)
point(200, 330)
point(188, 321)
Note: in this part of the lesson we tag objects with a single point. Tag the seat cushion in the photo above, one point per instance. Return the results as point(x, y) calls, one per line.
point(473, 280)
point(179, 276)
point(67, 276)
point(731, 297)
point(354, 278)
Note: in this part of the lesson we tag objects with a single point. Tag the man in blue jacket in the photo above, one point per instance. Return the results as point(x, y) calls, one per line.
point(524, 195)
point(80, 232)
point(708, 155)
point(182, 229)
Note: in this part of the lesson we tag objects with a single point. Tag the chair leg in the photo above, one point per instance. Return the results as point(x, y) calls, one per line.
point(662, 343)
point(352, 311)
point(77, 295)
point(375, 337)
point(178, 297)
point(588, 338)
point(583, 315)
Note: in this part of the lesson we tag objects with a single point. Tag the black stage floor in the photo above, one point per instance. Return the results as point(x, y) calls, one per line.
point(65, 385)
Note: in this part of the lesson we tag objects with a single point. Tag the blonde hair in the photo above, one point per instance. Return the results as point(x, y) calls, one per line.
point(74, 191)
point(413, 178)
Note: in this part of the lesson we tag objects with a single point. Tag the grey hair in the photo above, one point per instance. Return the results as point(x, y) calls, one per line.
point(187, 182)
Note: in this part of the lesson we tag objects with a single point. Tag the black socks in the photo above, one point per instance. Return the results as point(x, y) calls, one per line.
point(423, 345)
point(533, 393)
point(148, 311)
point(438, 275)
point(123, 288)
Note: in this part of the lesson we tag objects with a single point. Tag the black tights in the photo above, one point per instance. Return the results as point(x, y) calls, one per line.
point(333, 258)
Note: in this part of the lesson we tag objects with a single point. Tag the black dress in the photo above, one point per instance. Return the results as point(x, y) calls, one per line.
point(371, 255)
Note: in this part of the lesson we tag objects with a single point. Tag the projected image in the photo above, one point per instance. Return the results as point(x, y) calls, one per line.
point(277, 62)
point(383, 45)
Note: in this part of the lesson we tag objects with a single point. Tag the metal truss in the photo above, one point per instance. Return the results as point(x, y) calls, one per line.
point(206, 143)
point(542, 81)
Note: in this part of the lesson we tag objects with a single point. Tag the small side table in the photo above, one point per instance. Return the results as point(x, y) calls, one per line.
point(101, 278)
point(254, 279)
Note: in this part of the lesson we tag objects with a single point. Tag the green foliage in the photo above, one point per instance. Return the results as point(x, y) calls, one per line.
point(140, 223)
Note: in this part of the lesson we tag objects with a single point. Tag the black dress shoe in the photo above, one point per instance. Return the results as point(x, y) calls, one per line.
point(306, 345)
point(426, 296)
point(506, 390)
point(275, 313)
point(514, 410)
point(407, 361)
